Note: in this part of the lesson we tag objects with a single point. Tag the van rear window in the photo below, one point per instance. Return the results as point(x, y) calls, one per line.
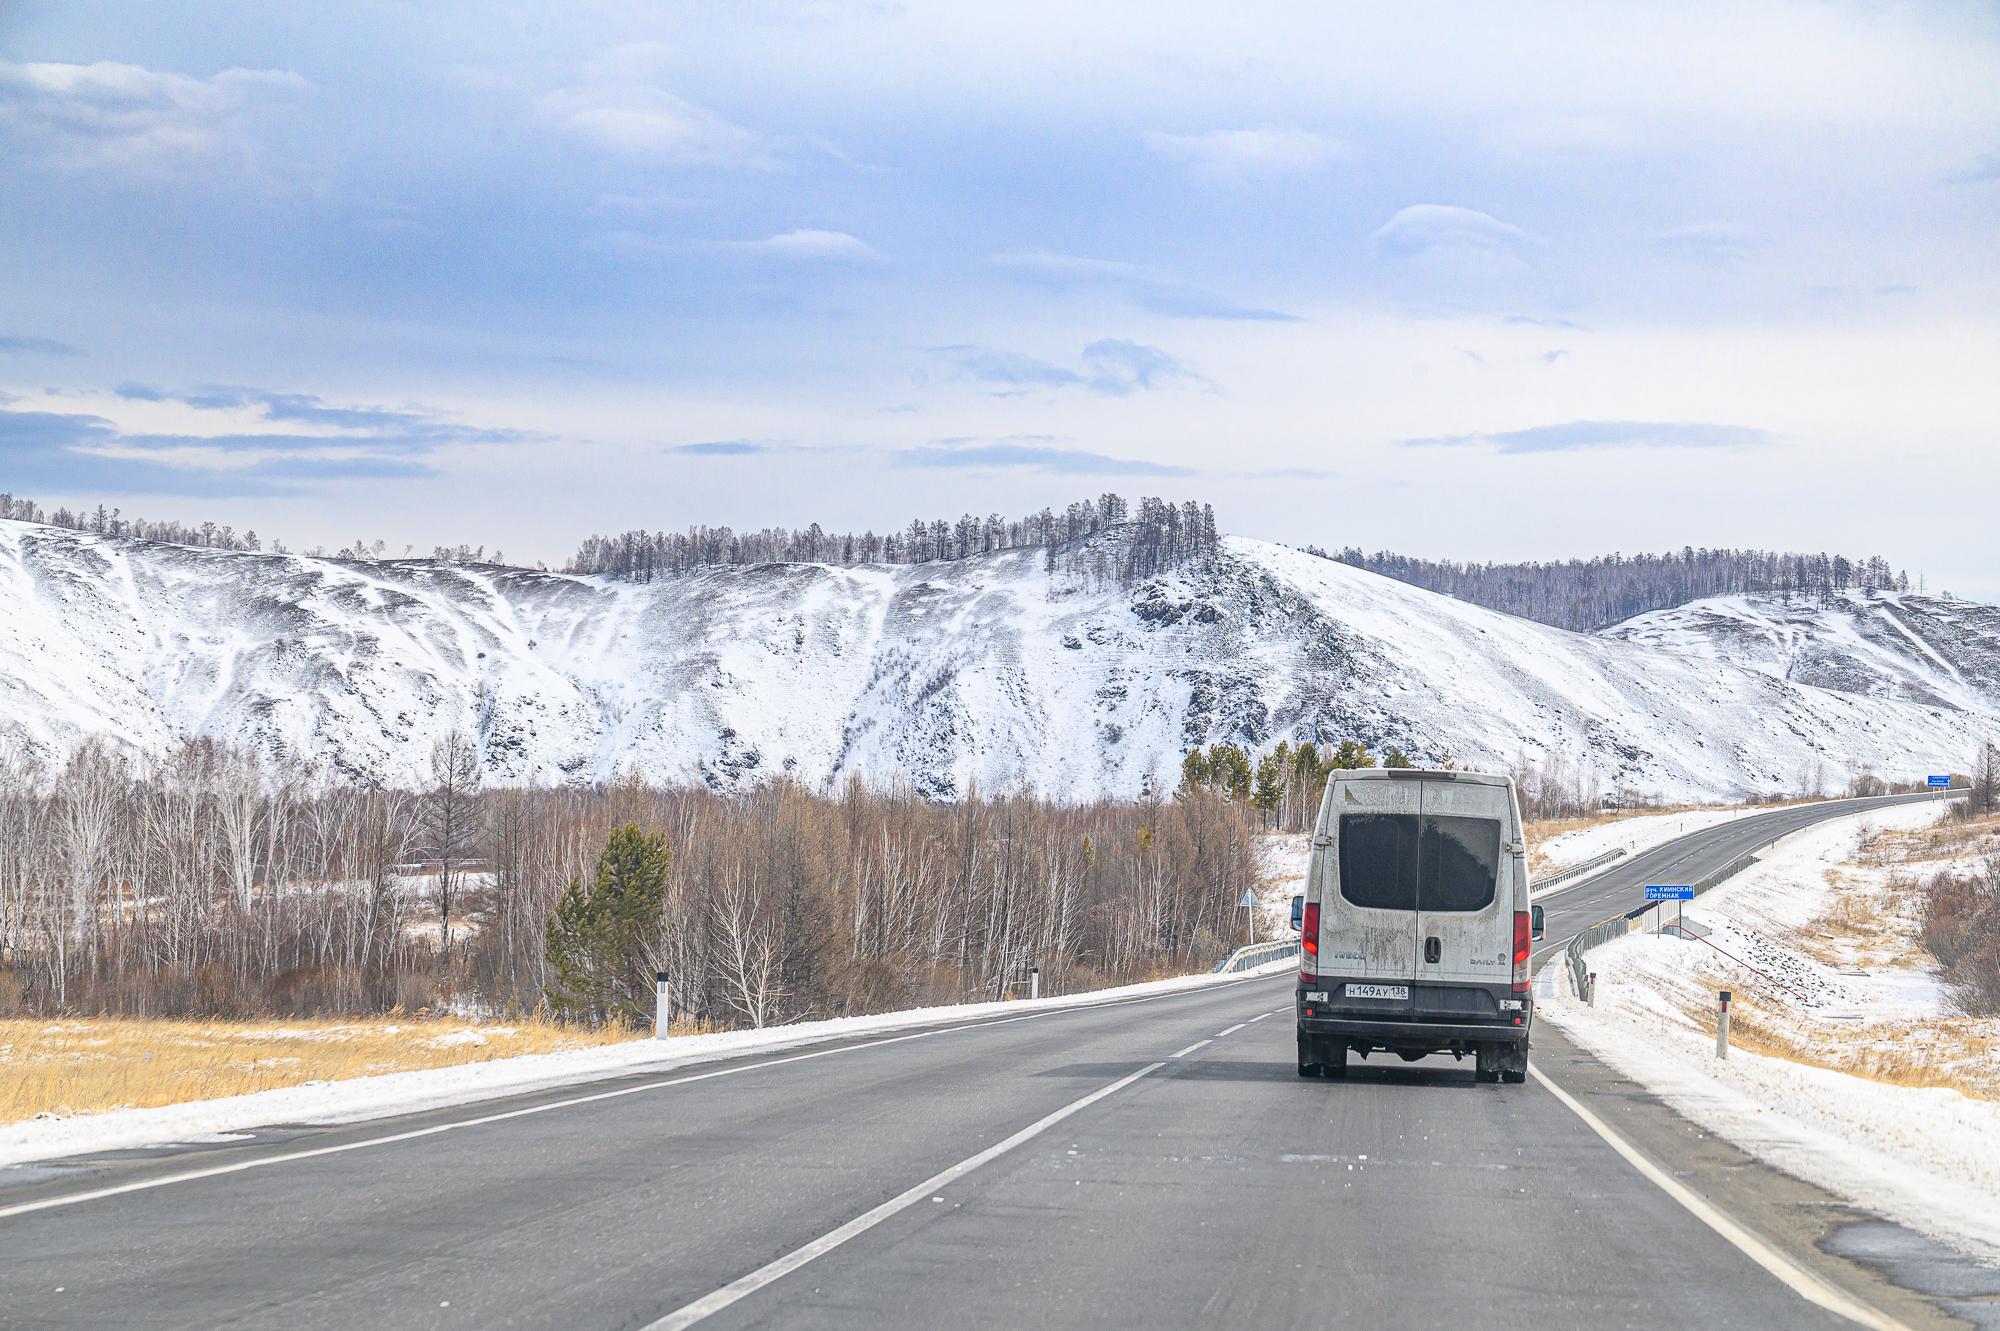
point(1459, 863)
point(1378, 860)
point(1398, 861)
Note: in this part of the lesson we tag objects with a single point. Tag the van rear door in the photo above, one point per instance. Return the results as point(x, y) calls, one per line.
point(1373, 933)
point(1465, 922)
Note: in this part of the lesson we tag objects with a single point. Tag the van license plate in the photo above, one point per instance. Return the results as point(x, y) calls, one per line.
point(1396, 991)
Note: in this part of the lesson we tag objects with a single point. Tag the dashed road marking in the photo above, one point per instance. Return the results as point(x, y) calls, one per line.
point(710, 1304)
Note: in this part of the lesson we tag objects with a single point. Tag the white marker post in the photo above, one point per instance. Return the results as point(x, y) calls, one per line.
point(663, 1005)
point(1593, 988)
point(1722, 1024)
point(1034, 982)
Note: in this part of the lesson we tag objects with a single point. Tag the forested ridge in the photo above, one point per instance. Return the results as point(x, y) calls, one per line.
point(1142, 541)
point(1586, 594)
point(1157, 536)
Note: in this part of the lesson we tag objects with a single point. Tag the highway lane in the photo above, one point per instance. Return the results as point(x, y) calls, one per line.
point(1622, 885)
point(1216, 1186)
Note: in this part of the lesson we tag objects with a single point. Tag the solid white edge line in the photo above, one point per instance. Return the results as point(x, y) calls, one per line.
point(1190, 1049)
point(744, 1286)
point(1801, 1281)
point(214, 1171)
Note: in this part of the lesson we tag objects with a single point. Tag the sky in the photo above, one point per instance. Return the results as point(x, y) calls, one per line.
point(1476, 282)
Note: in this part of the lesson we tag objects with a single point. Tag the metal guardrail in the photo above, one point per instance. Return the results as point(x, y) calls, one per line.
point(1650, 918)
point(1544, 881)
point(1256, 954)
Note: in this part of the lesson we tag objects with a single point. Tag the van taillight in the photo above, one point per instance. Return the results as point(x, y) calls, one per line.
point(1521, 939)
point(1309, 942)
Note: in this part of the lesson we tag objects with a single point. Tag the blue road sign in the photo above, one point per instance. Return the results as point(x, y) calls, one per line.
point(1938, 782)
point(1656, 892)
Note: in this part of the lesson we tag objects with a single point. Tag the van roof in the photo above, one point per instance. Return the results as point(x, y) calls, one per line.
point(1420, 774)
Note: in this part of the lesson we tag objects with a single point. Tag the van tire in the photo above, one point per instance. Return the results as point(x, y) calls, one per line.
point(1307, 1066)
point(1336, 1062)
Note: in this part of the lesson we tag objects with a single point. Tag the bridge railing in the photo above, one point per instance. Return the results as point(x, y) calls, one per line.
point(1544, 881)
point(1254, 955)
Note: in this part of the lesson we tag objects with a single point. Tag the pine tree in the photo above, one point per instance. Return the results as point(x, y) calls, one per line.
point(1195, 771)
point(1270, 786)
point(1351, 756)
point(604, 935)
point(1395, 757)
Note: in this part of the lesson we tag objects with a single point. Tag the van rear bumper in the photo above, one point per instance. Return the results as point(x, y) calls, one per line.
point(1410, 1031)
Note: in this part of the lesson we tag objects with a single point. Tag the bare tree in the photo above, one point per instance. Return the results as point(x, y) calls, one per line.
point(1986, 777)
point(452, 821)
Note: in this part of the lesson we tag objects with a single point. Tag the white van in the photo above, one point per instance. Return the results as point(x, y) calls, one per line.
point(1415, 926)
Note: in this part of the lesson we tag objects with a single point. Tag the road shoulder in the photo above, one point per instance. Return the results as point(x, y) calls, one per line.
point(1802, 1221)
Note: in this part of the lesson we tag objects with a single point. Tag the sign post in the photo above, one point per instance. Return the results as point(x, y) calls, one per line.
point(1249, 905)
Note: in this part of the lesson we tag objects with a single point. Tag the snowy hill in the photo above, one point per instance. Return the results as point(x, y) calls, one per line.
point(990, 670)
point(1922, 649)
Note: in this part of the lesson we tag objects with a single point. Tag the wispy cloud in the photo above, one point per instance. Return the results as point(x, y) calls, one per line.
point(1029, 453)
point(36, 346)
point(1542, 321)
point(1110, 366)
point(1145, 287)
point(1242, 155)
point(1715, 243)
point(1010, 372)
point(128, 117)
point(1577, 436)
point(619, 106)
point(80, 450)
point(808, 245)
point(722, 448)
point(1425, 227)
point(1985, 170)
point(411, 425)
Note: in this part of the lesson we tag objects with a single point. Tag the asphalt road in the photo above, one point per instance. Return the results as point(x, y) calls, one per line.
point(1145, 1163)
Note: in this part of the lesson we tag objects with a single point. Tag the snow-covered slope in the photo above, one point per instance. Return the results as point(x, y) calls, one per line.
point(1923, 649)
point(990, 671)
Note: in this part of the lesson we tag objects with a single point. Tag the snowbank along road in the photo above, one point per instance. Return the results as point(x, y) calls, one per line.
point(1147, 1161)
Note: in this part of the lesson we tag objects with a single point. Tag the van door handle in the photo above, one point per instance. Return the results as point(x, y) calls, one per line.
point(1433, 950)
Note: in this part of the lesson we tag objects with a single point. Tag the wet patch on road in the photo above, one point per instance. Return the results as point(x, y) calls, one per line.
point(1961, 1285)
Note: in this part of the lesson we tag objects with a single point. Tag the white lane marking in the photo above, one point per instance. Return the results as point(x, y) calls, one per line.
point(1190, 1049)
point(213, 1171)
point(1232, 1030)
point(710, 1304)
point(1801, 1281)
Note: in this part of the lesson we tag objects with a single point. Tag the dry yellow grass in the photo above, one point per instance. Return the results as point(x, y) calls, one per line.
point(1949, 839)
point(86, 1066)
point(1869, 923)
point(1957, 1053)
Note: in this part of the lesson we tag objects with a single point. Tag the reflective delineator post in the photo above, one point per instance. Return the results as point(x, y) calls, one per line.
point(663, 1005)
point(1722, 1024)
point(1593, 988)
point(1034, 981)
